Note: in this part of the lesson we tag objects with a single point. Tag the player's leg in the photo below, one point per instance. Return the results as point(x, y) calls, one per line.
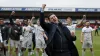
point(91, 48)
point(92, 52)
point(30, 49)
point(43, 45)
point(33, 40)
point(5, 47)
point(38, 47)
point(23, 45)
point(37, 51)
point(43, 52)
point(95, 32)
point(1, 49)
point(17, 47)
point(42, 49)
point(31, 52)
point(12, 44)
point(84, 48)
point(83, 51)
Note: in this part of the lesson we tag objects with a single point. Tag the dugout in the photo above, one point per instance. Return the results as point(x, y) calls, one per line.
point(91, 16)
point(61, 15)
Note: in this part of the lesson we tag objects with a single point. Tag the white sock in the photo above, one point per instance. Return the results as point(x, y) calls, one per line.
point(44, 54)
point(28, 53)
point(19, 54)
point(37, 54)
point(32, 51)
point(83, 52)
point(92, 53)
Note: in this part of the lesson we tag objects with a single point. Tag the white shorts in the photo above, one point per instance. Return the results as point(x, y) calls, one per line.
point(87, 44)
point(14, 43)
point(27, 42)
point(40, 43)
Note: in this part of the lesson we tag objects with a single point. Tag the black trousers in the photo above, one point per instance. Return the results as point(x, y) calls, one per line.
point(33, 40)
point(96, 32)
point(61, 54)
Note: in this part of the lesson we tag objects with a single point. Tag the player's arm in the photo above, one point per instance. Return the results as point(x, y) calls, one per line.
point(32, 19)
point(44, 25)
point(92, 36)
point(11, 16)
point(45, 36)
point(42, 20)
point(81, 39)
point(81, 22)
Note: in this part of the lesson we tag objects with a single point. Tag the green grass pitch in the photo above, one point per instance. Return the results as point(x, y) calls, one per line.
point(96, 45)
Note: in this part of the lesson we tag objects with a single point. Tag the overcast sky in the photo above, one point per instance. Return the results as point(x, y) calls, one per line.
point(51, 3)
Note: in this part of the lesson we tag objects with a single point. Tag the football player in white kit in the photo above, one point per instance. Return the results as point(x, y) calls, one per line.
point(27, 40)
point(71, 26)
point(40, 42)
point(87, 38)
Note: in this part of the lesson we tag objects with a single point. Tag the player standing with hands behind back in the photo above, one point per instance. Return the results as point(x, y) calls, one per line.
point(87, 38)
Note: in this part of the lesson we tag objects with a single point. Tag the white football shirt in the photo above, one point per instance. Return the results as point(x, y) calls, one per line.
point(87, 33)
point(26, 31)
point(72, 27)
point(39, 32)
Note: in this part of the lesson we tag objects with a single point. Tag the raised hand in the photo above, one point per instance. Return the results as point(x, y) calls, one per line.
point(84, 17)
point(43, 6)
point(13, 12)
point(33, 17)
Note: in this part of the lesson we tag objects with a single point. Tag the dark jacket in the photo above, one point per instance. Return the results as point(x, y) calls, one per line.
point(4, 31)
point(51, 29)
point(12, 34)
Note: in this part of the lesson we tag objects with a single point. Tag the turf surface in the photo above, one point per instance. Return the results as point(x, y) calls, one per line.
point(96, 45)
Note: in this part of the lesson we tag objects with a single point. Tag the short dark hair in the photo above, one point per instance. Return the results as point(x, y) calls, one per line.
point(87, 21)
point(68, 18)
point(50, 15)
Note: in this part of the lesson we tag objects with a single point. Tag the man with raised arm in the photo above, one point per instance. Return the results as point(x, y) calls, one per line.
point(71, 26)
point(60, 41)
point(14, 32)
